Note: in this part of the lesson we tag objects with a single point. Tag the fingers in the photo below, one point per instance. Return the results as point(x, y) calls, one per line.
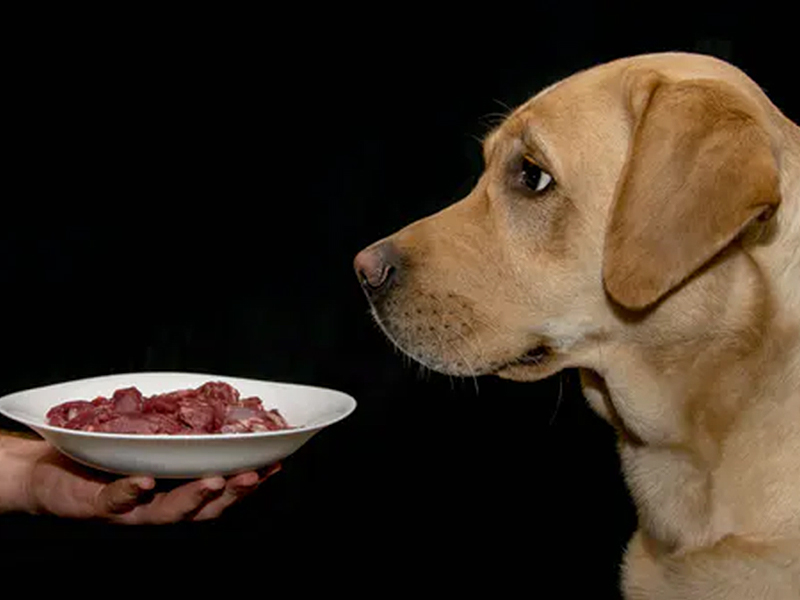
point(122, 495)
point(236, 488)
point(185, 501)
point(179, 504)
point(133, 500)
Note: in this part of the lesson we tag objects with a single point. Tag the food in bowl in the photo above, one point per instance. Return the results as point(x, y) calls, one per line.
point(214, 407)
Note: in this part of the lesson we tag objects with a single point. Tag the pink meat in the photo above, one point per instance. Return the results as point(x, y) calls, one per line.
point(245, 418)
point(141, 423)
point(214, 407)
point(199, 416)
point(162, 403)
point(128, 400)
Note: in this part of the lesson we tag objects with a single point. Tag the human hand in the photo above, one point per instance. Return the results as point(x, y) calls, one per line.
point(54, 484)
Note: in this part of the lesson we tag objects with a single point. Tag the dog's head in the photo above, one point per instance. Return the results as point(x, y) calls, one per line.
point(602, 196)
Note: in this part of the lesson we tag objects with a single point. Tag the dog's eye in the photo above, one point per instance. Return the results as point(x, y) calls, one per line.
point(533, 176)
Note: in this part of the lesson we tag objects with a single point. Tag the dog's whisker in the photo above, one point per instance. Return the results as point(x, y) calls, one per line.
point(443, 343)
point(442, 347)
point(561, 377)
point(478, 354)
point(476, 346)
point(488, 324)
point(454, 347)
point(476, 138)
point(505, 106)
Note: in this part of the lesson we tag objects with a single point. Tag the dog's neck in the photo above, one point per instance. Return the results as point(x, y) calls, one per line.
point(680, 406)
point(779, 256)
point(782, 255)
point(749, 348)
point(740, 345)
point(681, 403)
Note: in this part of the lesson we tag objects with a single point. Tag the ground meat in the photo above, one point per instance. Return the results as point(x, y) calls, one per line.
point(214, 407)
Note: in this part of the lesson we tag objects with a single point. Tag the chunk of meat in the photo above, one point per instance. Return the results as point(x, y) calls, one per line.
point(63, 413)
point(245, 418)
point(200, 416)
point(128, 400)
point(214, 407)
point(141, 423)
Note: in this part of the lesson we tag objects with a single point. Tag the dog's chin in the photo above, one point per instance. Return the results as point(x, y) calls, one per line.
point(538, 363)
point(452, 351)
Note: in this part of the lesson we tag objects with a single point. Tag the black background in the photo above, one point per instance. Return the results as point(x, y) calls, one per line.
point(187, 192)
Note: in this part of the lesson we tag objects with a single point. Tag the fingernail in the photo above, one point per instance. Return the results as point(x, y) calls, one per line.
point(144, 483)
point(214, 485)
point(251, 482)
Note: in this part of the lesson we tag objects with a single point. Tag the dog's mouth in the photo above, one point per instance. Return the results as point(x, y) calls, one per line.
point(446, 333)
point(535, 356)
point(528, 365)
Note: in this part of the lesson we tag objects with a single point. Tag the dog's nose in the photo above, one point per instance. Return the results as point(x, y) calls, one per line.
point(376, 266)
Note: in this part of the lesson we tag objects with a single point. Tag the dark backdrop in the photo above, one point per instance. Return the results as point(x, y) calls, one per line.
point(187, 193)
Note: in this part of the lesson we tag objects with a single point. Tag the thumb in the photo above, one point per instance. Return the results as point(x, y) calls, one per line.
point(122, 495)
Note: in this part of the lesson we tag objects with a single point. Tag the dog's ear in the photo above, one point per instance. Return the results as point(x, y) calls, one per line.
point(699, 170)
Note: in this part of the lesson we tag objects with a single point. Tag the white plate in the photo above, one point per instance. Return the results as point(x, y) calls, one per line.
point(308, 409)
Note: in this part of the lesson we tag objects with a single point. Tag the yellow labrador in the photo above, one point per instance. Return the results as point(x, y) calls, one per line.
point(641, 221)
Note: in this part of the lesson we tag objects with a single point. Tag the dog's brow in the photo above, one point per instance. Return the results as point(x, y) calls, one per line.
point(530, 139)
point(533, 141)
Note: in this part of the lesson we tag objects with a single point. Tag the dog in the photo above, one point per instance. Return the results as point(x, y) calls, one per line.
point(638, 221)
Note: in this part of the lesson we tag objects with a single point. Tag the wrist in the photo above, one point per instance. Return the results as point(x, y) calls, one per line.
point(17, 458)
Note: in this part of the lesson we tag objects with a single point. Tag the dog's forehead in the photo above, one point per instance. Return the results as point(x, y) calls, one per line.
point(577, 108)
point(578, 99)
point(591, 83)
point(569, 100)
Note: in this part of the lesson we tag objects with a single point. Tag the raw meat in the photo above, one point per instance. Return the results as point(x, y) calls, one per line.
point(214, 407)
